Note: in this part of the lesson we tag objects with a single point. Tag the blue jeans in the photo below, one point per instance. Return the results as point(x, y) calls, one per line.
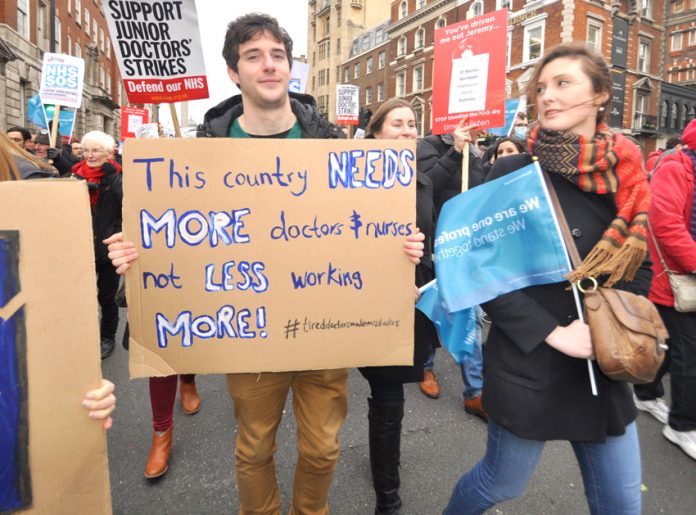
point(471, 367)
point(610, 471)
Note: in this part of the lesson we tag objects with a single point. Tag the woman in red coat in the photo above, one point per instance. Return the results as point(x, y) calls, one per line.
point(673, 222)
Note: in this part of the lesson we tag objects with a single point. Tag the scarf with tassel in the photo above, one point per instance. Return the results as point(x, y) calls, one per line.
point(606, 164)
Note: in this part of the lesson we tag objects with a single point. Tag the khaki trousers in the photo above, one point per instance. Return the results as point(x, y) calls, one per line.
point(320, 404)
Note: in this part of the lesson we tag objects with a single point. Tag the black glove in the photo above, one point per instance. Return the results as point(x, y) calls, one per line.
point(53, 154)
point(108, 169)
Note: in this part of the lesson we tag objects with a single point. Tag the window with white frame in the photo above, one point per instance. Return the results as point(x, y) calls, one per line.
point(94, 31)
point(78, 12)
point(646, 9)
point(673, 116)
point(368, 65)
point(676, 41)
point(692, 37)
point(403, 9)
point(664, 109)
point(641, 110)
point(101, 40)
point(356, 71)
point(440, 23)
point(677, 6)
point(682, 117)
point(643, 62)
point(503, 4)
point(56, 33)
point(402, 46)
point(533, 41)
point(380, 92)
point(381, 59)
point(108, 48)
point(108, 82)
point(418, 109)
point(78, 49)
point(87, 21)
point(23, 18)
point(368, 95)
point(346, 74)
point(68, 45)
point(419, 40)
point(476, 8)
point(418, 77)
point(401, 84)
point(594, 35)
point(421, 3)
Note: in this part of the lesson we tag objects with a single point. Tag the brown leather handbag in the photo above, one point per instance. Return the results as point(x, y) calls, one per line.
point(627, 332)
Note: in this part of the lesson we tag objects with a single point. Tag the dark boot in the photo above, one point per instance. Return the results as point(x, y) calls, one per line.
point(385, 451)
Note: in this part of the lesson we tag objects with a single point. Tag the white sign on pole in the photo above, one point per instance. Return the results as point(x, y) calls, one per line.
point(347, 104)
point(62, 80)
point(298, 81)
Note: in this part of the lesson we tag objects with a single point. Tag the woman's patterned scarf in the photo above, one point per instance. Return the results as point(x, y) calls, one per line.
point(609, 163)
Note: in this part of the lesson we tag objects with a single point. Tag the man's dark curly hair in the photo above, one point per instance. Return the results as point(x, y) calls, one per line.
point(248, 27)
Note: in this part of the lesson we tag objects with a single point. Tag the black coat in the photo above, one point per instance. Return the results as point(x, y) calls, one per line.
point(531, 389)
point(437, 158)
point(425, 335)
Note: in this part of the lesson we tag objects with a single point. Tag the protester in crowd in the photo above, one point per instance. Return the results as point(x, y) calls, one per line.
point(104, 181)
point(76, 150)
point(101, 401)
point(673, 224)
point(519, 127)
point(537, 382)
point(52, 155)
point(396, 119)
point(672, 145)
point(258, 53)
point(19, 136)
point(440, 159)
point(501, 148)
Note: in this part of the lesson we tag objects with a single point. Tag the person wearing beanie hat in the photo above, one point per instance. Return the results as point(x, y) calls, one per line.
point(51, 155)
point(672, 219)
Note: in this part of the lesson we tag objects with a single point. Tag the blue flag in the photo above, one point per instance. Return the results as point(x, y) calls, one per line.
point(496, 238)
point(458, 331)
point(511, 109)
point(40, 114)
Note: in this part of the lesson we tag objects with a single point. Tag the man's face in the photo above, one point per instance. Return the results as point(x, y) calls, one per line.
point(17, 138)
point(41, 150)
point(77, 149)
point(263, 72)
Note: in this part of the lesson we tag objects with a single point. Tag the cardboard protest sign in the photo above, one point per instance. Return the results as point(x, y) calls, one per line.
point(469, 72)
point(132, 118)
point(52, 456)
point(62, 80)
point(485, 249)
point(347, 104)
point(268, 255)
point(158, 48)
point(298, 81)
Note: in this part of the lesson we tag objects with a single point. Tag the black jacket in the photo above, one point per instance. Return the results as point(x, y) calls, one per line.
point(106, 214)
point(437, 158)
point(532, 389)
point(218, 119)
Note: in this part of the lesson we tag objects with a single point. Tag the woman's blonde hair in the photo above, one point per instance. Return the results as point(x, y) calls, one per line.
point(9, 152)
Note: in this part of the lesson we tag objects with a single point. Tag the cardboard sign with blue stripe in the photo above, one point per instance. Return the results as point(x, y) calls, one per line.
point(496, 238)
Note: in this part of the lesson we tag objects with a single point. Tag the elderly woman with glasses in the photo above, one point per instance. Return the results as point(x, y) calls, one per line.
point(103, 176)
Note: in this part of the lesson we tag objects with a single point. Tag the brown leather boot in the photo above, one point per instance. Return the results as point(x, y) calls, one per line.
point(190, 401)
point(158, 460)
point(474, 407)
point(429, 385)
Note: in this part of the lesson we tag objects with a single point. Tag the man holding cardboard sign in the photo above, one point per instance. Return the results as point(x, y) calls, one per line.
point(258, 53)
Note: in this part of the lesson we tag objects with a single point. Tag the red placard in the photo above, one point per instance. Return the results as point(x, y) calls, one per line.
point(469, 78)
point(131, 119)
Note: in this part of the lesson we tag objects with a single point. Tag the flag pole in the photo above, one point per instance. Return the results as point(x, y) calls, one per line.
point(465, 167)
point(54, 128)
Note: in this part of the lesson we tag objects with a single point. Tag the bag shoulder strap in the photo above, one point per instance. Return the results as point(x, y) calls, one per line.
point(657, 247)
point(563, 223)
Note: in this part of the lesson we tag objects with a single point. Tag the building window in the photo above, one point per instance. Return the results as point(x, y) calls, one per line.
point(356, 71)
point(108, 48)
point(57, 34)
point(418, 78)
point(418, 109)
point(692, 37)
point(594, 35)
point(101, 40)
point(643, 63)
point(503, 4)
point(338, 18)
point(78, 48)
point(419, 40)
point(400, 84)
point(641, 108)
point(380, 92)
point(346, 74)
point(677, 6)
point(440, 23)
point(664, 109)
point(78, 11)
point(476, 8)
point(381, 59)
point(402, 46)
point(338, 46)
point(421, 3)
point(682, 117)
point(70, 7)
point(368, 65)
point(646, 9)
point(403, 9)
point(676, 41)
point(87, 20)
point(533, 42)
point(368, 95)
point(68, 45)
point(327, 25)
point(673, 116)
point(23, 18)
